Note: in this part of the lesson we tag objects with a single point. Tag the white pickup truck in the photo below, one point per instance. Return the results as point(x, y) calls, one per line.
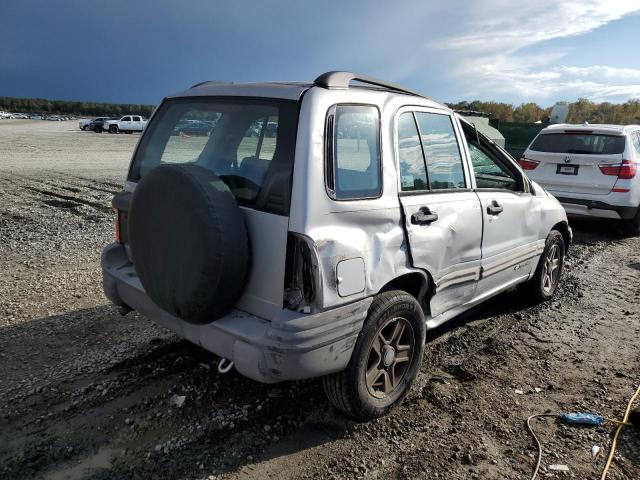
point(127, 124)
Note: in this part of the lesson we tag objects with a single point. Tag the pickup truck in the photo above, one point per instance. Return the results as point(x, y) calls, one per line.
point(127, 124)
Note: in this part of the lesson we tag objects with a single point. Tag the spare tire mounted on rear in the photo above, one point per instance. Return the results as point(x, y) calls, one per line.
point(189, 242)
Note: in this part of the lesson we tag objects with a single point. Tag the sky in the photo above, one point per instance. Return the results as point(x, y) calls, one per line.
point(138, 51)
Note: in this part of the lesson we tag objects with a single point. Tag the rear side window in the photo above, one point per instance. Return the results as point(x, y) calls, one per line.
point(248, 143)
point(413, 173)
point(441, 151)
point(585, 143)
point(353, 152)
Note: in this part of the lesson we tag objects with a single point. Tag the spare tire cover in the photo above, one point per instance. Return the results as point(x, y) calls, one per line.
point(188, 241)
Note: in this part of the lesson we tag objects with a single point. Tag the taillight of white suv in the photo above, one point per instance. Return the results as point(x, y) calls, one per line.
point(527, 163)
point(624, 170)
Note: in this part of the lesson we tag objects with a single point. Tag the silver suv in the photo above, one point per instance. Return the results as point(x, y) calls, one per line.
point(319, 229)
point(592, 169)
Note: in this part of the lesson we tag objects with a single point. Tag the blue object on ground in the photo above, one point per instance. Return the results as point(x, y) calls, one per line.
point(590, 419)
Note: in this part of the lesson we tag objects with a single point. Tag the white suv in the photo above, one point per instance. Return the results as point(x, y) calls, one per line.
point(321, 228)
point(591, 169)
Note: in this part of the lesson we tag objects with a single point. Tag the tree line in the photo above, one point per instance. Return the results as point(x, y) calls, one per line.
point(580, 111)
point(66, 107)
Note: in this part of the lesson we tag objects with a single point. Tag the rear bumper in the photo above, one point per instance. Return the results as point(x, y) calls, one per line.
point(290, 347)
point(596, 208)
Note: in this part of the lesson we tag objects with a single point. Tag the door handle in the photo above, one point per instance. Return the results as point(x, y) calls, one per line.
point(495, 208)
point(424, 216)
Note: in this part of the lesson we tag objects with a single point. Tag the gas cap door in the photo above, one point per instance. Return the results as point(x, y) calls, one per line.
point(350, 276)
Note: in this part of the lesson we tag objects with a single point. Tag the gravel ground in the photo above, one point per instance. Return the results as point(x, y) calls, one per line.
point(86, 393)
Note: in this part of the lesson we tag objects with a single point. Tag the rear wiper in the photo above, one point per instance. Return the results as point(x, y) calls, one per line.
point(580, 151)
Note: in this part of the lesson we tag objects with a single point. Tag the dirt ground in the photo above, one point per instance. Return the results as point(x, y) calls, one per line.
point(86, 393)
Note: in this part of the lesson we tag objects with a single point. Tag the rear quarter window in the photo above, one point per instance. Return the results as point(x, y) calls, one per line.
point(353, 152)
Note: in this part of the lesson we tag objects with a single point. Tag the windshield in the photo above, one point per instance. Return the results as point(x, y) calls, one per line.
point(248, 143)
point(582, 143)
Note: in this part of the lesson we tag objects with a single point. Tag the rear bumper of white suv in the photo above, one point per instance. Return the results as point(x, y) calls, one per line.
point(290, 347)
point(595, 208)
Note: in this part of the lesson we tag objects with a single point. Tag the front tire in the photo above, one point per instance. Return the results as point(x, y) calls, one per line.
point(113, 129)
point(631, 226)
point(546, 278)
point(385, 359)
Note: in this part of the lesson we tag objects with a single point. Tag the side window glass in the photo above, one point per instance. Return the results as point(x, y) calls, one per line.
point(256, 149)
point(489, 173)
point(354, 152)
point(413, 173)
point(259, 141)
point(637, 141)
point(441, 151)
point(126, 119)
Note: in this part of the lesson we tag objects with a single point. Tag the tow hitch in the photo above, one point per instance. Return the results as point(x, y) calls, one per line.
point(225, 365)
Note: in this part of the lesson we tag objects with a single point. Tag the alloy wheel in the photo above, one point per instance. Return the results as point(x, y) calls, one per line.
point(390, 356)
point(551, 269)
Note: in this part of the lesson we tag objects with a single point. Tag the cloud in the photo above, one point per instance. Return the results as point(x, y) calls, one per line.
point(493, 53)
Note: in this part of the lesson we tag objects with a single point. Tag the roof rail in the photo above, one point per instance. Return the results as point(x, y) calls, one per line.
point(342, 80)
point(206, 81)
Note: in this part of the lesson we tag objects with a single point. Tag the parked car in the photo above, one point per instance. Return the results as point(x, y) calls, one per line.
point(126, 124)
point(193, 127)
point(84, 123)
point(97, 124)
point(591, 169)
point(373, 215)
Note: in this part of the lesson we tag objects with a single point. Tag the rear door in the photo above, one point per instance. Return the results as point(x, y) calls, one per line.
point(442, 213)
point(572, 161)
point(136, 123)
point(511, 216)
point(258, 175)
point(125, 123)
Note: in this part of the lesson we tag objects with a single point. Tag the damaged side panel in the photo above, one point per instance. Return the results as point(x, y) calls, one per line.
point(348, 235)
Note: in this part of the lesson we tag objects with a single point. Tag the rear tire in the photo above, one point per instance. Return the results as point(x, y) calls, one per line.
point(546, 278)
point(385, 360)
point(631, 226)
point(84, 128)
point(98, 129)
point(113, 129)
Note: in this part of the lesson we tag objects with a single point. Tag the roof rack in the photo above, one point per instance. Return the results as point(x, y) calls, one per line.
point(342, 80)
point(206, 81)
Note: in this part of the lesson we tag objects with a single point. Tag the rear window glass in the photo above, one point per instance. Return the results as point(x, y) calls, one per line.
point(248, 143)
point(581, 143)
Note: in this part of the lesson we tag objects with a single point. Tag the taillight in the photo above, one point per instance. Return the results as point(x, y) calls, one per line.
point(118, 239)
point(625, 170)
point(527, 163)
point(121, 227)
point(299, 283)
